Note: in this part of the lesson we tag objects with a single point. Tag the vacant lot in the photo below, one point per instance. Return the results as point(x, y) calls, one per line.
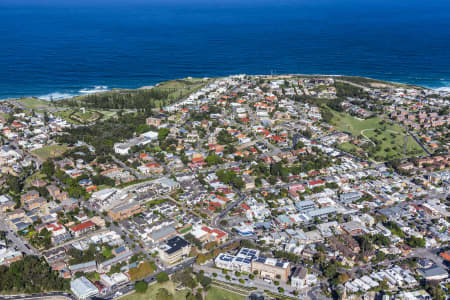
point(142, 271)
point(47, 152)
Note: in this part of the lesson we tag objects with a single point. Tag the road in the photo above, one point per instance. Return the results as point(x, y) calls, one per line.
point(261, 285)
point(420, 143)
point(129, 287)
point(428, 254)
point(351, 83)
point(50, 295)
point(215, 222)
point(18, 242)
point(408, 132)
point(138, 175)
point(14, 145)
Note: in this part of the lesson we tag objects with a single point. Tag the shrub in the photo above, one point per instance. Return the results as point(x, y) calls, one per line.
point(141, 287)
point(162, 277)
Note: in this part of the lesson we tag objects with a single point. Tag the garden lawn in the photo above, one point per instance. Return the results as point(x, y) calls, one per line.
point(215, 293)
point(150, 294)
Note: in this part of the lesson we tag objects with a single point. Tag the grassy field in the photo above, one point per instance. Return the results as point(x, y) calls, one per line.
point(47, 152)
point(37, 175)
point(78, 117)
point(65, 114)
point(150, 294)
point(34, 103)
point(215, 293)
point(345, 122)
point(180, 88)
point(142, 271)
point(85, 117)
point(348, 147)
point(386, 140)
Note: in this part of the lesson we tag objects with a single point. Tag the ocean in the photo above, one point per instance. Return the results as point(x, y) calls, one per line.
point(55, 49)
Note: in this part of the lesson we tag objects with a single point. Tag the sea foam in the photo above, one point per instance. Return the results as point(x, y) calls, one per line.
point(95, 89)
point(56, 96)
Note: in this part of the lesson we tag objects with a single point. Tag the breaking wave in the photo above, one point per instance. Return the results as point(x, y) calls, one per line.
point(70, 94)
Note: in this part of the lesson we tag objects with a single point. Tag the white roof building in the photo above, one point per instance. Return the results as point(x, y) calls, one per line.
point(83, 288)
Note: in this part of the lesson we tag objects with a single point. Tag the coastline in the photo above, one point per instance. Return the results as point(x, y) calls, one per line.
point(71, 92)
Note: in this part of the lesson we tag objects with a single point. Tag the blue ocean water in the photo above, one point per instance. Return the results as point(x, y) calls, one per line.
point(65, 46)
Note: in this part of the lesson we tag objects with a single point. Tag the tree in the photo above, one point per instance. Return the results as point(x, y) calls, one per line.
point(435, 290)
point(30, 275)
point(224, 137)
point(343, 278)
point(201, 258)
point(162, 277)
point(14, 184)
point(299, 145)
point(416, 242)
point(204, 281)
point(141, 287)
point(163, 133)
point(210, 246)
point(184, 277)
point(163, 294)
point(46, 118)
point(192, 296)
point(48, 168)
point(213, 160)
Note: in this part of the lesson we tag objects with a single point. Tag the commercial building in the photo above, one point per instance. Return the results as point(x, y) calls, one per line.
point(174, 250)
point(83, 288)
point(8, 255)
point(304, 206)
point(82, 228)
point(433, 273)
point(350, 197)
point(162, 233)
point(6, 203)
point(86, 267)
point(271, 267)
point(204, 233)
point(114, 280)
point(321, 212)
point(125, 211)
point(241, 262)
point(301, 279)
point(124, 255)
point(153, 121)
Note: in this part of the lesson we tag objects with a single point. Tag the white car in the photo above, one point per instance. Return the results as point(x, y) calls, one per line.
point(267, 280)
